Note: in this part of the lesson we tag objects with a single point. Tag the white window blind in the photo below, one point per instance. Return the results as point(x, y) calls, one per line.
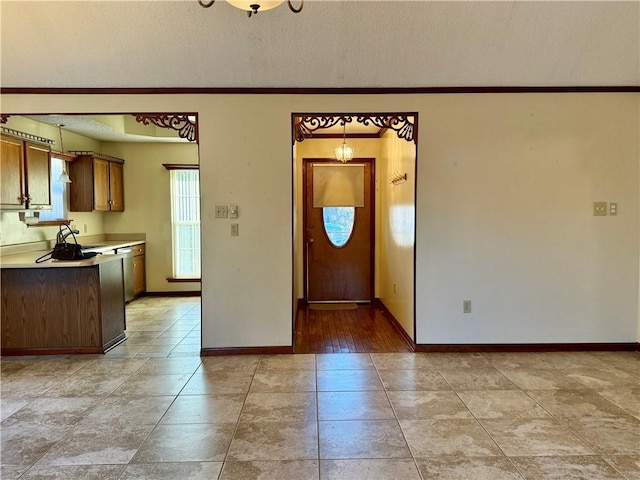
point(58, 201)
point(185, 221)
point(338, 185)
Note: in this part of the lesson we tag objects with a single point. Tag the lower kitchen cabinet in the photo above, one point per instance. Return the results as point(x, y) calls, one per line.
point(62, 310)
point(139, 273)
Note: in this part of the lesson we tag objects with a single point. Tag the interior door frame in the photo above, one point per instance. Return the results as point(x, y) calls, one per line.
point(372, 231)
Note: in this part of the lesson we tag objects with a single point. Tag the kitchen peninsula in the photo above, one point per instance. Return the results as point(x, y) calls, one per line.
point(61, 307)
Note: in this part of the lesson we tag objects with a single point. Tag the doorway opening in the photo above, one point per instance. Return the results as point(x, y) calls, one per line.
point(120, 166)
point(354, 232)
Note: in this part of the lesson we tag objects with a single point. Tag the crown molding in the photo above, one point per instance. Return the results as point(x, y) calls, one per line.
point(318, 91)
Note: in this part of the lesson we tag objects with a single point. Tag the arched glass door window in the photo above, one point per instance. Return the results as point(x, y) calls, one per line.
point(338, 224)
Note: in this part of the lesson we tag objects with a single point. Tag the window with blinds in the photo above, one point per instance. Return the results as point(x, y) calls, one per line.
point(185, 222)
point(58, 190)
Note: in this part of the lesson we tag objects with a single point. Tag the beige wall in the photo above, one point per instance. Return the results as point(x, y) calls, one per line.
point(397, 229)
point(505, 199)
point(148, 204)
point(505, 189)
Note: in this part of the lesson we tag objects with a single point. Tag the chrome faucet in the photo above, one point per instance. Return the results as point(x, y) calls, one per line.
point(61, 237)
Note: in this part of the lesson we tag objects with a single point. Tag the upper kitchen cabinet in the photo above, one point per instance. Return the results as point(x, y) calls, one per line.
point(26, 174)
point(97, 183)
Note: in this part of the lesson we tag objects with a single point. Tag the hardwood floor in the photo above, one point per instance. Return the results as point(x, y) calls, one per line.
point(363, 330)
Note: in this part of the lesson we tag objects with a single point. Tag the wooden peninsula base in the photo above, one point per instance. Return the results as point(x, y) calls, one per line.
point(69, 310)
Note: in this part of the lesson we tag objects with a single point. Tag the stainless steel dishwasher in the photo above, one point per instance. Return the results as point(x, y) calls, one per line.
point(128, 271)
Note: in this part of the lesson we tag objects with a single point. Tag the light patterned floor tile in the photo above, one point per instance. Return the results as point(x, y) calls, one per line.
point(199, 442)
point(362, 439)
point(173, 471)
point(369, 469)
point(271, 470)
point(564, 467)
point(447, 467)
point(448, 437)
point(274, 441)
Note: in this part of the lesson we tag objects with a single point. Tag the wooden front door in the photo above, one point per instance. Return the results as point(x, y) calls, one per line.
point(339, 230)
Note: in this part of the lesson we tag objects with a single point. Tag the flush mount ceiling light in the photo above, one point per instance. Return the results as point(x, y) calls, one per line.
point(64, 176)
point(344, 152)
point(255, 6)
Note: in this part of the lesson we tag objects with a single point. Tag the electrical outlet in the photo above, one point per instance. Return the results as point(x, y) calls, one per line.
point(235, 230)
point(600, 209)
point(613, 208)
point(466, 306)
point(222, 211)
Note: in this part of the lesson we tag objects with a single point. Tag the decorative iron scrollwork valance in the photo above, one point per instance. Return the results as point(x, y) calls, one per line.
point(404, 124)
point(184, 124)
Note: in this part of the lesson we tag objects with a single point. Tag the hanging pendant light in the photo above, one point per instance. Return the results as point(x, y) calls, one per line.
point(254, 6)
point(344, 152)
point(64, 176)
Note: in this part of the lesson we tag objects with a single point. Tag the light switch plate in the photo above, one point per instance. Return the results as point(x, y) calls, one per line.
point(233, 211)
point(600, 209)
point(235, 230)
point(222, 211)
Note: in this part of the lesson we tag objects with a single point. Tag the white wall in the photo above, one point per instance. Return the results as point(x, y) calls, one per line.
point(505, 188)
point(148, 205)
point(397, 229)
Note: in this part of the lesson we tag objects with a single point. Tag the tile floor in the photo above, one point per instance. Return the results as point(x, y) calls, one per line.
point(161, 327)
point(153, 409)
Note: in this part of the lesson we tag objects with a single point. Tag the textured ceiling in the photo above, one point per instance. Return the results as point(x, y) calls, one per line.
point(329, 44)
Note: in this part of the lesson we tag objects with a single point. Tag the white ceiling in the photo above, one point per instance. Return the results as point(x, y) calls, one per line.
point(329, 44)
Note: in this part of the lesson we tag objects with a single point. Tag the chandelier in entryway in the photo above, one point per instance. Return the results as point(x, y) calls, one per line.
point(344, 152)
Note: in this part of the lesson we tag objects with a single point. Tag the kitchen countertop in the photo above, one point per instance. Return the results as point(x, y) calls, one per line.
point(28, 259)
